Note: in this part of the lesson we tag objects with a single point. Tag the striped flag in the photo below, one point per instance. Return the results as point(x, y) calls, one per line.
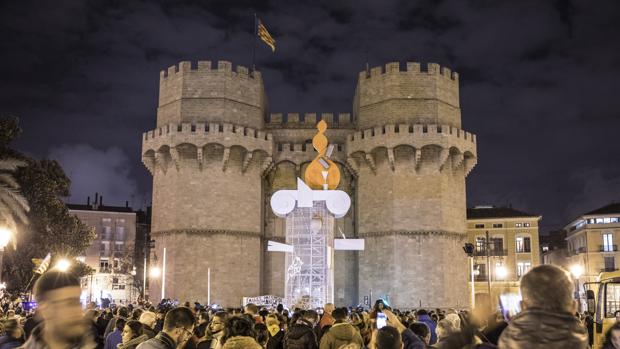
point(264, 35)
point(44, 264)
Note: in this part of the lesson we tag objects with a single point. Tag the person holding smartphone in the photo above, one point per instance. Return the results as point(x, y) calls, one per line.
point(393, 325)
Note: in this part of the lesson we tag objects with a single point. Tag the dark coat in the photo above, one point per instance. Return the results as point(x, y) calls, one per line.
point(538, 329)
point(277, 341)
point(339, 335)
point(300, 336)
point(161, 341)
point(431, 326)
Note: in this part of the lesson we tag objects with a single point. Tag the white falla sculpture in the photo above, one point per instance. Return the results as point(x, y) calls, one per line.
point(310, 215)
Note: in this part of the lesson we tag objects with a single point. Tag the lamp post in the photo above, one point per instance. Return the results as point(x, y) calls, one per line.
point(469, 250)
point(5, 238)
point(577, 270)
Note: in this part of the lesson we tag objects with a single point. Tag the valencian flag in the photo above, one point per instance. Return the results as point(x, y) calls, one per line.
point(45, 263)
point(264, 35)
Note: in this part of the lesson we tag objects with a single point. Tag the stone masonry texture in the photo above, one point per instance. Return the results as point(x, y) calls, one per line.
point(217, 156)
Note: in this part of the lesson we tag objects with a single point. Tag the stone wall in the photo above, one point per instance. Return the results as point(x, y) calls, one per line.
point(391, 95)
point(403, 160)
point(234, 259)
point(196, 93)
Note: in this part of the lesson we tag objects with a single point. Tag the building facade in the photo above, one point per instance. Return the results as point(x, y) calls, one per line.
point(217, 155)
point(592, 243)
point(112, 253)
point(513, 247)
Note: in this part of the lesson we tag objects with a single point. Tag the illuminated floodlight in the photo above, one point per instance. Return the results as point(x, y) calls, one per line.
point(63, 265)
point(501, 272)
point(155, 272)
point(576, 270)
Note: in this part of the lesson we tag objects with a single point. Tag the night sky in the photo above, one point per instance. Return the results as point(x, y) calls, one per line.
point(539, 82)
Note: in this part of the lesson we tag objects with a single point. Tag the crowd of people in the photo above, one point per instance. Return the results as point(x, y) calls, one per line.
point(548, 320)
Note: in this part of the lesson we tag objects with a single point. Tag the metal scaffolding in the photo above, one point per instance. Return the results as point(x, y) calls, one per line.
point(309, 269)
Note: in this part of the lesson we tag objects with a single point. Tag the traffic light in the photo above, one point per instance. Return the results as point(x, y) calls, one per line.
point(469, 249)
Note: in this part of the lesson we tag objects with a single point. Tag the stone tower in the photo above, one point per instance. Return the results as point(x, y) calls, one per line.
point(411, 158)
point(206, 157)
point(403, 160)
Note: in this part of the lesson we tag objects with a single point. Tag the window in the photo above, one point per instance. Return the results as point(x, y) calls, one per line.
point(106, 221)
point(498, 225)
point(118, 247)
point(518, 225)
point(479, 226)
point(103, 263)
point(610, 264)
point(608, 243)
point(120, 233)
point(522, 268)
point(497, 246)
point(480, 242)
point(599, 221)
point(526, 224)
point(523, 244)
point(480, 272)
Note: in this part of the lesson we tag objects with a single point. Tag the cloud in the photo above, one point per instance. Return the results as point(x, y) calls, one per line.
point(107, 172)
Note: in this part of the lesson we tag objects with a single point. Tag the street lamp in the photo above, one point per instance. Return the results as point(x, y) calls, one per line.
point(577, 271)
point(5, 238)
point(155, 272)
point(501, 272)
point(63, 265)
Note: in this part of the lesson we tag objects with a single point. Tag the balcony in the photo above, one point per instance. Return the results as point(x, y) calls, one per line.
point(606, 270)
point(481, 277)
point(492, 253)
point(105, 270)
point(608, 248)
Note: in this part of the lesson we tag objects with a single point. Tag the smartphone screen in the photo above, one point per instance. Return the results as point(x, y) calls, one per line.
point(381, 320)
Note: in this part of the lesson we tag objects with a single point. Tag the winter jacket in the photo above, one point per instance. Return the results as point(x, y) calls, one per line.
point(241, 342)
point(340, 334)
point(411, 341)
point(327, 319)
point(276, 341)
point(537, 329)
point(161, 341)
point(132, 344)
point(148, 331)
point(36, 340)
point(111, 326)
point(431, 326)
point(215, 342)
point(113, 340)
point(301, 336)
point(8, 342)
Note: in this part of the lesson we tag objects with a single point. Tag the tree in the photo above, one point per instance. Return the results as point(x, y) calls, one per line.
point(51, 227)
point(13, 206)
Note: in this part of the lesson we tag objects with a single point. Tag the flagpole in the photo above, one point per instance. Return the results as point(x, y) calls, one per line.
point(255, 43)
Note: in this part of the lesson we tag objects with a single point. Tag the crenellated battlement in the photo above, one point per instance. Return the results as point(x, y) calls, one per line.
point(442, 144)
point(206, 67)
point(309, 120)
point(190, 92)
point(412, 68)
point(205, 128)
point(394, 131)
point(409, 94)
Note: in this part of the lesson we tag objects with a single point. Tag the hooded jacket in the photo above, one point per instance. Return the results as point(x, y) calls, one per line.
point(537, 329)
point(301, 336)
point(241, 342)
point(340, 334)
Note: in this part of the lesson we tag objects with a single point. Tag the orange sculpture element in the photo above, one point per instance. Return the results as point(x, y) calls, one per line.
point(322, 170)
